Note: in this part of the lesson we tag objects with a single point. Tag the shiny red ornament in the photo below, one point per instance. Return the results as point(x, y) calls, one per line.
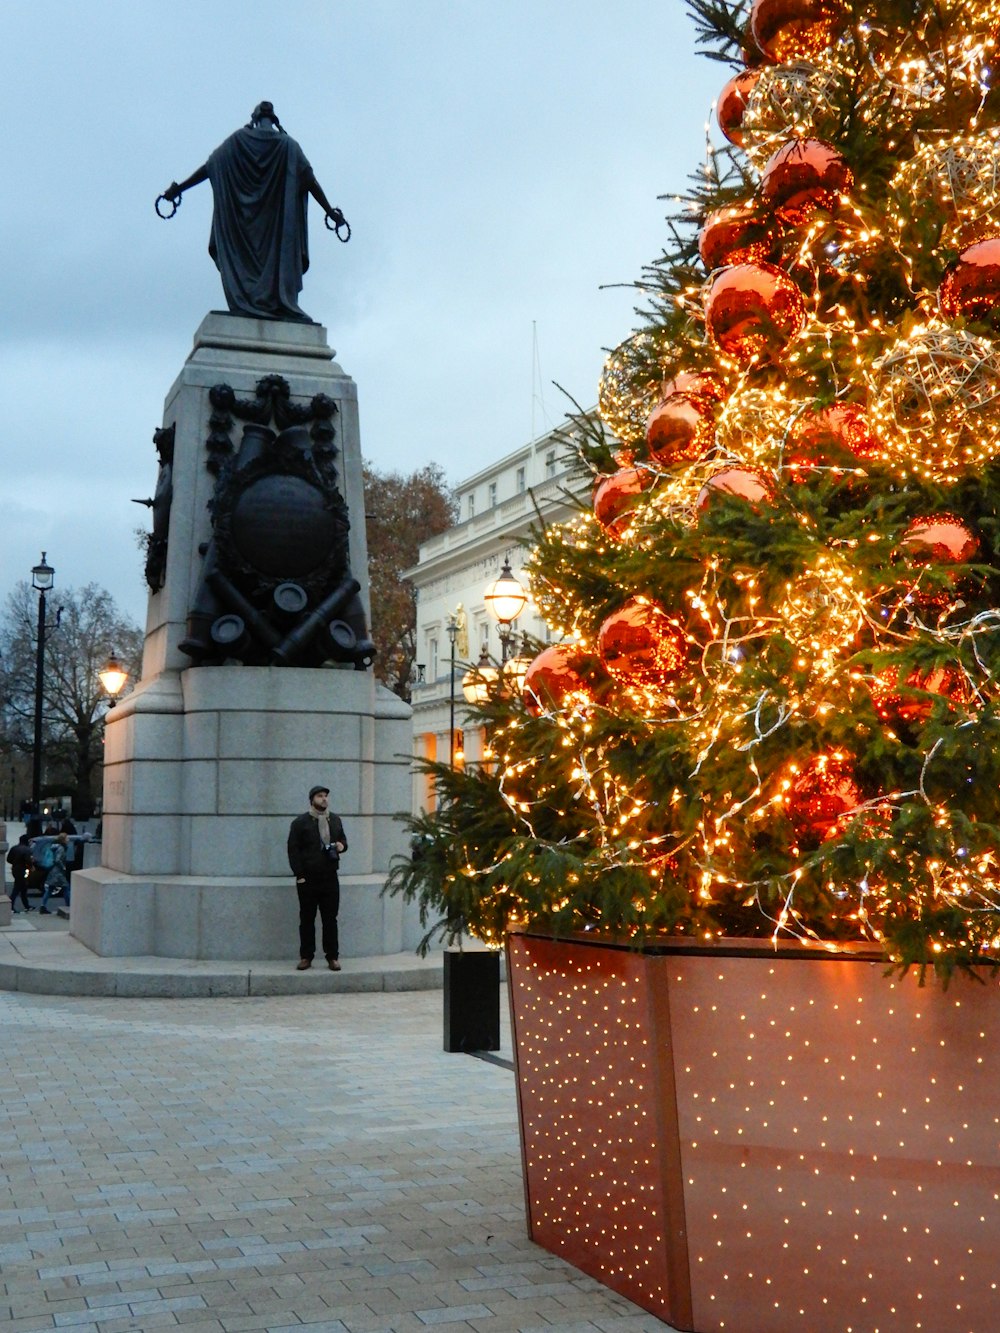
point(971, 287)
point(639, 644)
point(838, 436)
point(803, 175)
point(822, 796)
point(698, 384)
point(553, 680)
point(789, 30)
point(753, 310)
point(679, 430)
point(736, 235)
point(895, 703)
point(616, 496)
point(940, 539)
point(733, 104)
point(743, 482)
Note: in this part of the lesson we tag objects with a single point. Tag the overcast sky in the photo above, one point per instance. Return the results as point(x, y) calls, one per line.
point(499, 162)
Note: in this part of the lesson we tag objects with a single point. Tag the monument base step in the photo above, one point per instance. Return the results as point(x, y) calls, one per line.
point(54, 962)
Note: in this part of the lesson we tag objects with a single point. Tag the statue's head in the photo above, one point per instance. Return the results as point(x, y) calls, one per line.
point(263, 111)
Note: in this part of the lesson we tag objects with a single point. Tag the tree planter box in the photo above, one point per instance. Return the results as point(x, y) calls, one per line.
point(762, 1141)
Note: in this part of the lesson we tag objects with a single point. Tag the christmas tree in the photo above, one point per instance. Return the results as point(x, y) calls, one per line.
point(773, 709)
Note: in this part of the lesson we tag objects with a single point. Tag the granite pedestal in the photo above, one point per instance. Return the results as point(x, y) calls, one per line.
point(205, 766)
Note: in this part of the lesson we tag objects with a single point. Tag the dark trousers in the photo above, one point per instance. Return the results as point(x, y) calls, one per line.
point(19, 889)
point(324, 897)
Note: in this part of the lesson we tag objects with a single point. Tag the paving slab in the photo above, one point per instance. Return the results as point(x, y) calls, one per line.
point(309, 1162)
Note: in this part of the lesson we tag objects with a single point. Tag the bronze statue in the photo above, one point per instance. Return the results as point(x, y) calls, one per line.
point(260, 180)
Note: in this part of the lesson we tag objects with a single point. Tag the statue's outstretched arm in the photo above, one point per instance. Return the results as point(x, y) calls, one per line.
point(174, 191)
point(316, 190)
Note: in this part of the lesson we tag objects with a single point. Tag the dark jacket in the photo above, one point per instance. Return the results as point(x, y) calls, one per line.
point(19, 859)
point(306, 856)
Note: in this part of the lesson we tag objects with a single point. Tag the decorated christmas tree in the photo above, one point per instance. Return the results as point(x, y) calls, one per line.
point(771, 708)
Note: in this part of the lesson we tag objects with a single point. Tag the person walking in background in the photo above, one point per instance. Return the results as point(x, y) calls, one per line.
point(315, 842)
point(19, 860)
point(57, 880)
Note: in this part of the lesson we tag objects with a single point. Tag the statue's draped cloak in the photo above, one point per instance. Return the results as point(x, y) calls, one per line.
point(259, 239)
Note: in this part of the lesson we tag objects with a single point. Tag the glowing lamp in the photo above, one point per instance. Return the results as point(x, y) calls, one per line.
point(113, 676)
point(478, 683)
point(505, 598)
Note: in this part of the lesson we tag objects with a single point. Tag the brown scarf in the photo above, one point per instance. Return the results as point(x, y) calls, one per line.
point(322, 818)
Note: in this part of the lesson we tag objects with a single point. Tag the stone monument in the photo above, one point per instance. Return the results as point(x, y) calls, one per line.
point(256, 676)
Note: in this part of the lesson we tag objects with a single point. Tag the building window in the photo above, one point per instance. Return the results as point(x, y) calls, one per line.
point(470, 504)
point(432, 657)
point(520, 481)
point(493, 495)
point(550, 463)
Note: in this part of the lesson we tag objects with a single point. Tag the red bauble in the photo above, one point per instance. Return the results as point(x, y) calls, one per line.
point(790, 30)
point(753, 310)
point(553, 680)
point(940, 539)
point(744, 482)
point(803, 175)
point(639, 644)
point(897, 704)
point(679, 429)
point(821, 796)
point(697, 384)
point(834, 436)
point(616, 496)
point(736, 235)
point(971, 287)
point(733, 104)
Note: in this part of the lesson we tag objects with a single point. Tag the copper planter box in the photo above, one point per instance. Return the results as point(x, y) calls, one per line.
point(758, 1142)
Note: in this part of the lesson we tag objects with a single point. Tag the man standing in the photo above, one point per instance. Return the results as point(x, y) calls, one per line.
point(315, 842)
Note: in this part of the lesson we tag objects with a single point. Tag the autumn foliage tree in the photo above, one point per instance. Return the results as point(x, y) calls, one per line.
point(402, 511)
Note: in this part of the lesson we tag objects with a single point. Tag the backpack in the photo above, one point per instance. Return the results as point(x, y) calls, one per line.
point(44, 858)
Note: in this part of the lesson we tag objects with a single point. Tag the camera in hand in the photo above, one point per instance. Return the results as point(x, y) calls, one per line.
point(331, 853)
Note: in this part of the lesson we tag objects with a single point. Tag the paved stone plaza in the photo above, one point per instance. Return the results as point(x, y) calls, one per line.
point(267, 1163)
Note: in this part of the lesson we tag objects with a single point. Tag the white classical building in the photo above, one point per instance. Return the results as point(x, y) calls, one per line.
point(498, 507)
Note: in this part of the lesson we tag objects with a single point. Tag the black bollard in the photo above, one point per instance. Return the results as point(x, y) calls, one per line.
point(471, 1000)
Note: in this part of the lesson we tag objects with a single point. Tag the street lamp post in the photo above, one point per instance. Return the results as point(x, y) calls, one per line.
point(452, 628)
point(42, 579)
point(505, 599)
